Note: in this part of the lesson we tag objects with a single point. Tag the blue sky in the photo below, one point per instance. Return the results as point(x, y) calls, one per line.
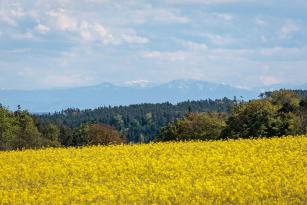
point(67, 43)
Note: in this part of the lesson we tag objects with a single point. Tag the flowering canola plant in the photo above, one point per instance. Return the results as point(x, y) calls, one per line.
point(256, 171)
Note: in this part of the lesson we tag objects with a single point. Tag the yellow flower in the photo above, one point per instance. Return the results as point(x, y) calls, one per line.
point(262, 171)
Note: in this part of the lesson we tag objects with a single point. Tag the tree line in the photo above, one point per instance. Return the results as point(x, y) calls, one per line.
point(136, 123)
point(104, 125)
point(276, 113)
point(18, 130)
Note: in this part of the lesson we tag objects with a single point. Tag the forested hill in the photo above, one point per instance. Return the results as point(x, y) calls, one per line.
point(136, 122)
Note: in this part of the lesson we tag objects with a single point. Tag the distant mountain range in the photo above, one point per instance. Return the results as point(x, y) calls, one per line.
point(106, 94)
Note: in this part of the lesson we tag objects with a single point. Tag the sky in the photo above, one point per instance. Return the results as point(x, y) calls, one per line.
point(70, 43)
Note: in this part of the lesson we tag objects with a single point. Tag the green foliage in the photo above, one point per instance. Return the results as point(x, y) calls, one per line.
point(302, 116)
point(276, 115)
point(282, 112)
point(81, 135)
point(285, 100)
point(27, 135)
point(8, 129)
point(51, 135)
point(66, 135)
point(135, 122)
point(302, 94)
point(195, 126)
point(18, 131)
point(254, 118)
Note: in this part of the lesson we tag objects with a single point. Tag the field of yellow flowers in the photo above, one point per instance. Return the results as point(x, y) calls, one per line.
point(262, 171)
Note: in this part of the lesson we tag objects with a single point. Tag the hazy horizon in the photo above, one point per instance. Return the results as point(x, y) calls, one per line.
point(149, 84)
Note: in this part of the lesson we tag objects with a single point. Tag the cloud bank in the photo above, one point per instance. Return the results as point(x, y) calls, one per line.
point(58, 43)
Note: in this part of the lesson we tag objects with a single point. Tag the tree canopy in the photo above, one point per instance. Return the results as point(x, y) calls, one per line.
point(202, 126)
point(277, 113)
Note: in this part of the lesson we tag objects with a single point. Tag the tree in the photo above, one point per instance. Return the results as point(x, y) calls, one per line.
point(260, 118)
point(302, 116)
point(195, 126)
point(135, 129)
point(96, 134)
point(118, 122)
point(251, 119)
point(103, 135)
point(286, 100)
point(135, 122)
point(66, 135)
point(8, 129)
point(51, 135)
point(27, 135)
point(81, 136)
point(289, 110)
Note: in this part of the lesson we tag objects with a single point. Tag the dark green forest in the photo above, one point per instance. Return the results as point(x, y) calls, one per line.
point(275, 113)
point(135, 122)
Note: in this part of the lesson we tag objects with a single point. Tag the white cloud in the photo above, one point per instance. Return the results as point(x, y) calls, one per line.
point(288, 28)
point(105, 36)
point(88, 24)
point(85, 32)
point(167, 16)
point(7, 20)
point(205, 1)
point(194, 46)
point(26, 72)
point(264, 39)
point(166, 56)
point(158, 15)
point(23, 36)
point(17, 51)
point(140, 83)
point(260, 22)
point(230, 54)
point(60, 80)
point(101, 31)
point(42, 28)
point(134, 39)
point(93, 30)
point(218, 39)
point(269, 80)
point(225, 17)
point(97, 31)
point(10, 16)
point(281, 51)
point(63, 21)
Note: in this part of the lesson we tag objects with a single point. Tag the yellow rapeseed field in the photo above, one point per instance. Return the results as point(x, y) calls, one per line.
point(262, 171)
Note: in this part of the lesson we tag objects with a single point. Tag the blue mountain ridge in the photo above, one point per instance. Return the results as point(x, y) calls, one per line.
point(105, 94)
